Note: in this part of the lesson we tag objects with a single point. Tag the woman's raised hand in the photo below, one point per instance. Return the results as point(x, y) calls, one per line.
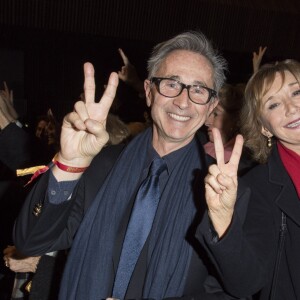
point(221, 184)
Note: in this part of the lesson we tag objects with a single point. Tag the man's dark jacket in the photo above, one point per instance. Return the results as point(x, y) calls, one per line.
point(201, 282)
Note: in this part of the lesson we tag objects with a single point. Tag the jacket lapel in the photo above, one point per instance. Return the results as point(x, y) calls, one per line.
point(285, 194)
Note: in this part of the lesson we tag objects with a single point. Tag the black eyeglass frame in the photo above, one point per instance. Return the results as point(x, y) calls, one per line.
point(157, 80)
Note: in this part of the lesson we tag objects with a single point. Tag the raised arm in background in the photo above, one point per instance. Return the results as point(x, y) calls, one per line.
point(257, 57)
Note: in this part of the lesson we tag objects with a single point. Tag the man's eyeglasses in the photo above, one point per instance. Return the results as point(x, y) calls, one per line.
point(171, 88)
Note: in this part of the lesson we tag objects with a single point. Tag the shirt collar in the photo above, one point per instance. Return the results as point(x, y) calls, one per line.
point(172, 158)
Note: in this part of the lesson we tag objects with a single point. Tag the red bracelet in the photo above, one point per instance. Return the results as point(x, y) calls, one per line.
point(68, 168)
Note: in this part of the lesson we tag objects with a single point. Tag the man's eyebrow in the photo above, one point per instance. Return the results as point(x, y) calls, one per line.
point(176, 77)
point(196, 82)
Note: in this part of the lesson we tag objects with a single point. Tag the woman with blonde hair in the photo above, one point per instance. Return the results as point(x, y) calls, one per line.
point(256, 248)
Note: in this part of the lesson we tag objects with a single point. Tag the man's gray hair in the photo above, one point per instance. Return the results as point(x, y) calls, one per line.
point(194, 41)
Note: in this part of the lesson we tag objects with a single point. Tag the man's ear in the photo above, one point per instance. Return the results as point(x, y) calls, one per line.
point(212, 106)
point(266, 132)
point(147, 87)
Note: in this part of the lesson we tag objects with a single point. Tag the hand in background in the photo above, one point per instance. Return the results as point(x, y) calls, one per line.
point(221, 184)
point(5, 116)
point(257, 57)
point(8, 97)
point(129, 75)
point(19, 263)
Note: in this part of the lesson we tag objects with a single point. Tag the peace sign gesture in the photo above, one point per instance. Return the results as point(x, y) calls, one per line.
point(257, 57)
point(221, 184)
point(84, 132)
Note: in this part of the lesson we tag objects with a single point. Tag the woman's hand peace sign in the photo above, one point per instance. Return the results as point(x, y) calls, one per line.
point(221, 184)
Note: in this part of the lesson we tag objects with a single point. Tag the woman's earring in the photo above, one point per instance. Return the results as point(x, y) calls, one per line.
point(269, 143)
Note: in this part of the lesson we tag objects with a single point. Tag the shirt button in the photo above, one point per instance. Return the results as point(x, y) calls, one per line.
point(53, 192)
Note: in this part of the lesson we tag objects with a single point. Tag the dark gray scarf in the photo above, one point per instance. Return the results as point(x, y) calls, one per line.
point(88, 270)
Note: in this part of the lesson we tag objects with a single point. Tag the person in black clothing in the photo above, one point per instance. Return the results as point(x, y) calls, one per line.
point(260, 252)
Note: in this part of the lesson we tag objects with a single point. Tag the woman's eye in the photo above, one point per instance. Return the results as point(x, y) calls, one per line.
point(273, 105)
point(296, 93)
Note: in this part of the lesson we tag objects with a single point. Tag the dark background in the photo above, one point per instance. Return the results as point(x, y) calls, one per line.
point(44, 43)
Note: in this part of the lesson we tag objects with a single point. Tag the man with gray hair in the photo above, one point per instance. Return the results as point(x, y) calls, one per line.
point(130, 213)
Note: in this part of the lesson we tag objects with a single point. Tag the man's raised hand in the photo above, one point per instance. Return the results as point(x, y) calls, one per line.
point(84, 130)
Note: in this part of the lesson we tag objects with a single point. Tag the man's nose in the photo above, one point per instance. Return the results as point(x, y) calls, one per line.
point(182, 100)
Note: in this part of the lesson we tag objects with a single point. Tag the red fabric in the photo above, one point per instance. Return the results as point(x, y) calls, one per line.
point(37, 173)
point(291, 162)
point(68, 168)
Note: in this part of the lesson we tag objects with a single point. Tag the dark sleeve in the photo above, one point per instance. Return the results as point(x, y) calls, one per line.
point(54, 228)
point(15, 150)
point(213, 291)
point(244, 256)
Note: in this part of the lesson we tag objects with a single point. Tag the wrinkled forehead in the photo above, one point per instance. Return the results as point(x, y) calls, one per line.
point(187, 66)
point(277, 81)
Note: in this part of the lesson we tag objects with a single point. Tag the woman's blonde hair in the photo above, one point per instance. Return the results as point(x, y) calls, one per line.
point(251, 122)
